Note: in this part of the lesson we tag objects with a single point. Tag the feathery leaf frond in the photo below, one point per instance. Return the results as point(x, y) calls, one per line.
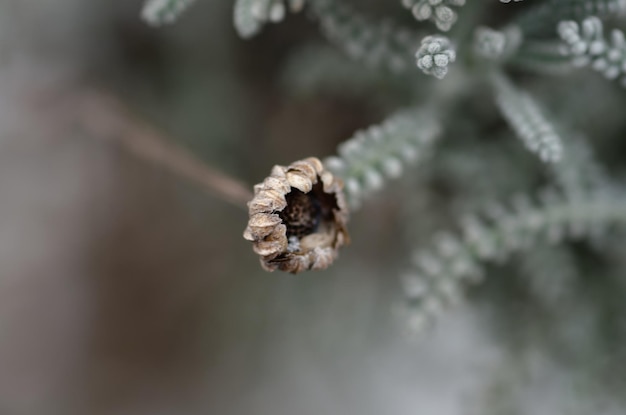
point(379, 44)
point(371, 156)
point(586, 44)
point(437, 276)
point(526, 118)
point(541, 19)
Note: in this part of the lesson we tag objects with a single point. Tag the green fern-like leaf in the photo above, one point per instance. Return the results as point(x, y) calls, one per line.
point(437, 276)
point(380, 152)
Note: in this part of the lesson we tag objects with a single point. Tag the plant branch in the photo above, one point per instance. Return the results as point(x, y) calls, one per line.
point(105, 116)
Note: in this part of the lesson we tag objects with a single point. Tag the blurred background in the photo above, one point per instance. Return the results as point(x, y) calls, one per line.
point(125, 289)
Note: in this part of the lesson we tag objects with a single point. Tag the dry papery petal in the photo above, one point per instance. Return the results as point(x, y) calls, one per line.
point(298, 217)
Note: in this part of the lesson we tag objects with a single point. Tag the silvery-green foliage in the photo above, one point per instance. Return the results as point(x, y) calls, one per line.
point(381, 152)
point(497, 44)
point(377, 43)
point(541, 52)
point(251, 15)
point(437, 275)
point(527, 119)
point(583, 201)
point(586, 44)
point(440, 12)
point(159, 12)
point(542, 19)
point(434, 56)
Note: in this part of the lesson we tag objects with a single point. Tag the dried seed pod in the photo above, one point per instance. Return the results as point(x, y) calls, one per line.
point(298, 217)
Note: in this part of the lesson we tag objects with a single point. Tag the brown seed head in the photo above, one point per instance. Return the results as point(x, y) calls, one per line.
point(298, 217)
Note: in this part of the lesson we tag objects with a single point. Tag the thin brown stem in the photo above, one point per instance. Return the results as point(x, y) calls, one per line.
point(107, 117)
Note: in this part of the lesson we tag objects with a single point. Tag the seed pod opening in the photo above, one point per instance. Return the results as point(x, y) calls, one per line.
point(298, 217)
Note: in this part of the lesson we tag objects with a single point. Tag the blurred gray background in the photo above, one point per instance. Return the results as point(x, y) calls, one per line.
point(127, 290)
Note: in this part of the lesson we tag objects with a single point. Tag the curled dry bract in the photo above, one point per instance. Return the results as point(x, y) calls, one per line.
point(298, 217)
